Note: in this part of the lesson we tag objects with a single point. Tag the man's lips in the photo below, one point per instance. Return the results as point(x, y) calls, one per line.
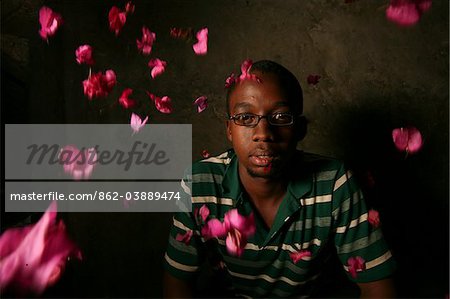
point(262, 159)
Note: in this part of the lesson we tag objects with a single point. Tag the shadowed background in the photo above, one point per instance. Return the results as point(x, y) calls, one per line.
point(375, 76)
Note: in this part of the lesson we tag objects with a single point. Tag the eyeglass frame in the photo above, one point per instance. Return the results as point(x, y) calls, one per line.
point(233, 118)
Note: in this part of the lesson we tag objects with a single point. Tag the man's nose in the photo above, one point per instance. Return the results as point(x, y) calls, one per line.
point(263, 131)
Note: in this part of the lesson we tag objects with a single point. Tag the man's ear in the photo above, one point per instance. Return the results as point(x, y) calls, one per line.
point(301, 127)
point(229, 136)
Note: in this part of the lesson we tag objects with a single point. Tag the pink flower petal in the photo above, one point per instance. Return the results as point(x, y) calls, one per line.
point(201, 47)
point(76, 163)
point(146, 43)
point(205, 154)
point(164, 104)
point(124, 99)
point(181, 33)
point(38, 257)
point(245, 71)
point(129, 7)
point(231, 80)
point(355, 264)
point(407, 139)
point(158, 67)
point(245, 225)
point(204, 212)
point(235, 242)
point(214, 229)
point(137, 123)
point(49, 21)
point(99, 85)
point(117, 19)
point(313, 79)
point(83, 54)
point(298, 255)
point(202, 103)
point(185, 238)
point(373, 218)
point(407, 12)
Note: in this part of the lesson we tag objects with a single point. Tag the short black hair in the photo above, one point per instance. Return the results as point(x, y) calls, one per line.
point(287, 81)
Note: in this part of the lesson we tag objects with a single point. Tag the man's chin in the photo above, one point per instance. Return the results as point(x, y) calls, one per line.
point(262, 172)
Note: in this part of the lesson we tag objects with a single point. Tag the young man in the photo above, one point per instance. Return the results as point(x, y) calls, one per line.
point(294, 210)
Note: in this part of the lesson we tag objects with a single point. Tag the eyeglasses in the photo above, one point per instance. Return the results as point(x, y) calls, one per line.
point(251, 120)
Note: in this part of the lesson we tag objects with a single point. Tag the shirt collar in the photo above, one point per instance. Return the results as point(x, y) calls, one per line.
point(300, 185)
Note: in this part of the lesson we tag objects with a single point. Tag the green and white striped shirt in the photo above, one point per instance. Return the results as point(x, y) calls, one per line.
point(323, 209)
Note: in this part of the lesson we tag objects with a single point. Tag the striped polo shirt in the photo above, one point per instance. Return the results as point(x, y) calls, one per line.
point(323, 211)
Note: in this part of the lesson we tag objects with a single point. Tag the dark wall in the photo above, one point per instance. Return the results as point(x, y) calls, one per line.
point(375, 76)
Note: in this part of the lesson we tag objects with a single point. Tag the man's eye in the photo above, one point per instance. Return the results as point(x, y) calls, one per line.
point(245, 118)
point(281, 116)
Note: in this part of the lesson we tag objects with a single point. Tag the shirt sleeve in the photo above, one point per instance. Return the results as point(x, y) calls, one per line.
point(183, 255)
point(360, 246)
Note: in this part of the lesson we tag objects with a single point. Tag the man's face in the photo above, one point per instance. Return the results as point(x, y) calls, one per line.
point(265, 150)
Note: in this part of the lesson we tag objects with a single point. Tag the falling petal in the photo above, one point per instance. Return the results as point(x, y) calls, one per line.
point(78, 163)
point(83, 54)
point(407, 139)
point(407, 12)
point(38, 257)
point(355, 264)
point(299, 255)
point(204, 212)
point(235, 242)
point(50, 22)
point(129, 7)
point(117, 19)
point(158, 67)
point(373, 218)
point(201, 47)
point(98, 85)
point(146, 43)
point(214, 229)
point(205, 154)
point(181, 33)
point(185, 238)
point(231, 80)
point(202, 103)
point(313, 79)
point(164, 104)
point(137, 123)
point(245, 71)
point(124, 99)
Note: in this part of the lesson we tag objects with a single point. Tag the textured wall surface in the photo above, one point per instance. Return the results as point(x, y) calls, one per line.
point(375, 76)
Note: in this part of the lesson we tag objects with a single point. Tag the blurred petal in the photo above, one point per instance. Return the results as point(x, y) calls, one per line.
point(355, 264)
point(204, 212)
point(50, 22)
point(213, 229)
point(407, 139)
point(202, 103)
point(137, 123)
point(235, 242)
point(117, 19)
point(124, 99)
point(129, 7)
point(146, 43)
point(296, 256)
point(231, 80)
point(38, 258)
point(158, 67)
point(373, 218)
point(186, 238)
point(83, 54)
point(313, 79)
point(201, 47)
point(205, 154)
